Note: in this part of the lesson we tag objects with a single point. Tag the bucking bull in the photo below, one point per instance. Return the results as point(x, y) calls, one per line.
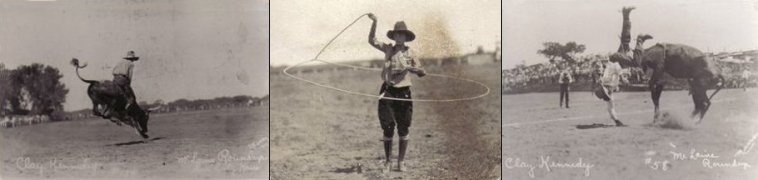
point(109, 103)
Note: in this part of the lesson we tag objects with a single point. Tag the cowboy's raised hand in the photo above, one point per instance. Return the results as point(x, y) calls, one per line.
point(372, 16)
point(420, 72)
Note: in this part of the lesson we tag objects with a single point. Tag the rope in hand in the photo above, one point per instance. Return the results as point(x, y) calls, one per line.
point(376, 69)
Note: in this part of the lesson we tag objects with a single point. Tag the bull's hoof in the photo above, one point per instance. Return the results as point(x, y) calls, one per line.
point(116, 121)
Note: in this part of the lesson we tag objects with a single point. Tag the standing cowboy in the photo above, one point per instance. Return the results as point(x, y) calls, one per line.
point(611, 76)
point(122, 76)
point(399, 62)
point(745, 78)
point(564, 79)
point(609, 83)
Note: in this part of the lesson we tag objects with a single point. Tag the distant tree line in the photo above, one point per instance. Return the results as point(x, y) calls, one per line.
point(205, 104)
point(33, 89)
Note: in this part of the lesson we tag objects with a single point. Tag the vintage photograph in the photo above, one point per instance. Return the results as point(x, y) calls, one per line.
point(630, 89)
point(385, 89)
point(134, 89)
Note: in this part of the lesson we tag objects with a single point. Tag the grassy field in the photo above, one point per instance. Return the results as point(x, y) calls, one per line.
point(536, 130)
point(190, 145)
point(324, 134)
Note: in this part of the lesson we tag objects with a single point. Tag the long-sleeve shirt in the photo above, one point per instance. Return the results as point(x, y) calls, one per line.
point(124, 68)
point(746, 74)
point(611, 74)
point(565, 77)
point(399, 61)
point(397, 65)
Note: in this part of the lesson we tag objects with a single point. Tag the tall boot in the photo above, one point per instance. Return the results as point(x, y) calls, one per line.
point(387, 154)
point(626, 26)
point(626, 10)
point(401, 155)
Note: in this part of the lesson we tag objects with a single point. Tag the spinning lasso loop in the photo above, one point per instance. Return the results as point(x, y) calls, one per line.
point(376, 69)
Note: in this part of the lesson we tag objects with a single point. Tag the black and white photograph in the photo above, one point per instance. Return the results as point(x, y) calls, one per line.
point(134, 89)
point(617, 89)
point(385, 89)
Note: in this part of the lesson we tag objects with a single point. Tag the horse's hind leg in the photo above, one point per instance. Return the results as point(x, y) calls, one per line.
point(699, 98)
point(656, 96)
point(656, 88)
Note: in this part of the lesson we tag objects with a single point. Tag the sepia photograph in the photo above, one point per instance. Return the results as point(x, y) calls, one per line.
point(645, 89)
point(134, 89)
point(385, 89)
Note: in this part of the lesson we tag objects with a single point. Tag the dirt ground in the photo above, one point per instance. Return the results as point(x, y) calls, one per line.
point(537, 131)
point(186, 145)
point(323, 134)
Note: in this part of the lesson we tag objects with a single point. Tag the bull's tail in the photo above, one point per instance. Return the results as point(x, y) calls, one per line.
point(76, 64)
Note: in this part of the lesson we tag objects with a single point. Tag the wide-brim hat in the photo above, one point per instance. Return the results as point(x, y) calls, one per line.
point(400, 27)
point(130, 56)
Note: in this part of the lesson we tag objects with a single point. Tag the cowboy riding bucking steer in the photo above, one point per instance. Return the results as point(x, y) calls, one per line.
point(115, 100)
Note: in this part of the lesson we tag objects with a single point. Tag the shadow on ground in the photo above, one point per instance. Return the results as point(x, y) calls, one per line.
point(593, 126)
point(135, 142)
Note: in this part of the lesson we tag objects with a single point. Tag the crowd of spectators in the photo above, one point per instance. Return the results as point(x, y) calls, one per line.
point(588, 69)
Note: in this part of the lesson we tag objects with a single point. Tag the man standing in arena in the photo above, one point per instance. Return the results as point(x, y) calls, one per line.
point(609, 83)
point(564, 80)
point(745, 78)
point(611, 76)
point(400, 62)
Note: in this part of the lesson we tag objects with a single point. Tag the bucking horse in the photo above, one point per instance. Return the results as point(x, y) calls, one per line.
point(109, 103)
point(683, 62)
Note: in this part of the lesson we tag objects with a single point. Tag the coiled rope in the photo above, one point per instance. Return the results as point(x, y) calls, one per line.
point(316, 59)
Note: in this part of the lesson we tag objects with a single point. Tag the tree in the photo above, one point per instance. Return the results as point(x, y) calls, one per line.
point(566, 52)
point(241, 99)
point(6, 89)
point(35, 89)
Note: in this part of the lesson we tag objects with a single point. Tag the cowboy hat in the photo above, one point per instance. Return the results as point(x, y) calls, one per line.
point(130, 56)
point(401, 28)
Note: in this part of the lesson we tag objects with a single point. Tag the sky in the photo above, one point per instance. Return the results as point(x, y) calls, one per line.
point(191, 49)
point(709, 25)
point(300, 28)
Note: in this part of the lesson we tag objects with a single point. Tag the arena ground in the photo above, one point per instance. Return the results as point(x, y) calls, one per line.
point(224, 143)
point(573, 144)
point(324, 134)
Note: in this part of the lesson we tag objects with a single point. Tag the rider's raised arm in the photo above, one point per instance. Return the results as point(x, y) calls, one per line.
point(372, 34)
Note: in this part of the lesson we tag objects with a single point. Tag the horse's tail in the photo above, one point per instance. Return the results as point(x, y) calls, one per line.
point(76, 64)
point(719, 85)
